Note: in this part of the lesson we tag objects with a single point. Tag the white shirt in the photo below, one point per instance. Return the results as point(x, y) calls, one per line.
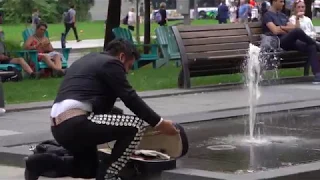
point(131, 18)
point(306, 25)
point(68, 104)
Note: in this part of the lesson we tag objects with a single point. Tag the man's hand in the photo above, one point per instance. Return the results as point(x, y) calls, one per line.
point(167, 127)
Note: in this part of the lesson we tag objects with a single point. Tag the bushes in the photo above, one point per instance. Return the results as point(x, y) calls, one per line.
point(13, 45)
point(19, 11)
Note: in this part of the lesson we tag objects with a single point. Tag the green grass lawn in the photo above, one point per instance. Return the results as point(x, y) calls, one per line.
point(86, 30)
point(143, 79)
point(90, 30)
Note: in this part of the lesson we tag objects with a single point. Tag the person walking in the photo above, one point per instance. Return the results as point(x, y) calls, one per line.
point(70, 22)
point(223, 12)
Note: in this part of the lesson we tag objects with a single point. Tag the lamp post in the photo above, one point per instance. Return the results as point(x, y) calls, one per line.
point(137, 22)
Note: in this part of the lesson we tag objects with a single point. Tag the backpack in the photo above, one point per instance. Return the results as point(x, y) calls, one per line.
point(158, 17)
point(52, 151)
point(125, 19)
point(66, 17)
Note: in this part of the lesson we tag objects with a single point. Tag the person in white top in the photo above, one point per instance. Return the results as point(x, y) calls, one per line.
point(300, 20)
point(131, 19)
point(233, 12)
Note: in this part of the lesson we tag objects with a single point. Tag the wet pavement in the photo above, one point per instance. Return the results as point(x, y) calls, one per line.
point(286, 139)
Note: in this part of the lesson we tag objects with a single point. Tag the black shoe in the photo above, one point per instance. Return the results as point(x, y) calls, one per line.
point(28, 175)
point(34, 75)
point(112, 177)
point(59, 73)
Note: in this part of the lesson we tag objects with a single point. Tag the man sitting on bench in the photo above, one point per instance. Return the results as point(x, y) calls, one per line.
point(275, 23)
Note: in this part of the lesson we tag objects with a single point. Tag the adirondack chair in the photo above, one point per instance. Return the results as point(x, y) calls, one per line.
point(3, 50)
point(5, 67)
point(152, 57)
point(34, 54)
point(168, 44)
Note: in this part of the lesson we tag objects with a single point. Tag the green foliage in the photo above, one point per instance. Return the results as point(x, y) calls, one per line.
point(12, 45)
point(17, 11)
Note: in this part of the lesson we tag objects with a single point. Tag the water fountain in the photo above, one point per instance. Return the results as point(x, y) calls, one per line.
point(253, 66)
point(271, 141)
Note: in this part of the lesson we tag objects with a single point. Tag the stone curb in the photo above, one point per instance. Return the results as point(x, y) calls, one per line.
point(199, 89)
point(48, 104)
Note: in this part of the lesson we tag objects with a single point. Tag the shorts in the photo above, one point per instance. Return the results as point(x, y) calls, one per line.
point(6, 61)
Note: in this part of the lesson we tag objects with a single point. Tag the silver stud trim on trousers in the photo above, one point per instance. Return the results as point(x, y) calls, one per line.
point(120, 120)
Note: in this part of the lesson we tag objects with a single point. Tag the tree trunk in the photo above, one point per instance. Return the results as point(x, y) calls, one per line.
point(308, 8)
point(113, 20)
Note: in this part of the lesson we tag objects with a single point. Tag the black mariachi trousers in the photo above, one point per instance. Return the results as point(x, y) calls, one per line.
point(80, 136)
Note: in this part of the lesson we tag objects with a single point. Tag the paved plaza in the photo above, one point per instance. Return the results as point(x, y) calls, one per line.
point(31, 126)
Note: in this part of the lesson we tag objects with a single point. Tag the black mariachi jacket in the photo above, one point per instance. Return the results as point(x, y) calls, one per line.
point(100, 79)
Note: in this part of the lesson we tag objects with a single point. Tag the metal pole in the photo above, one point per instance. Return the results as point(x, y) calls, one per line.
point(195, 11)
point(137, 22)
point(1, 94)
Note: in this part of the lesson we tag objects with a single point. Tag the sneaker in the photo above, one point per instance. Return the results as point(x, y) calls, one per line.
point(79, 40)
point(34, 75)
point(316, 79)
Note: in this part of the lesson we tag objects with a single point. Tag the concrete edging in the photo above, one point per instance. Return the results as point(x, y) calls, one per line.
point(199, 89)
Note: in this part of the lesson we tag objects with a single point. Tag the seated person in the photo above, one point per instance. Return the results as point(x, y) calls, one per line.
point(46, 53)
point(275, 23)
point(301, 21)
point(6, 59)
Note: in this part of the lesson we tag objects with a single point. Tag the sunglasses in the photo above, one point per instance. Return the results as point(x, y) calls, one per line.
point(299, 1)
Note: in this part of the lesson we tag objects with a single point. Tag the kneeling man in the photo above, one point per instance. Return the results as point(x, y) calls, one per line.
point(81, 117)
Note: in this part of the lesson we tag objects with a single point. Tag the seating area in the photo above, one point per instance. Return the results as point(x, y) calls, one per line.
point(221, 49)
point(199, 50)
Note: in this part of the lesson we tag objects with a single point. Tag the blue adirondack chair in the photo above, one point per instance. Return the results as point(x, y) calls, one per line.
point(34, 54)
point(3, 50)
point(152, 57)
point(168, 44)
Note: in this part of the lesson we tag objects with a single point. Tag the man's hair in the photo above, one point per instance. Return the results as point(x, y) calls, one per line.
point(42, 24)
point(117, 46)
point(71, 6)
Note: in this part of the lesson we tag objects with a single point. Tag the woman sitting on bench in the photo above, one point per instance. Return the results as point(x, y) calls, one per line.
point(276, 24)
point(301, 21)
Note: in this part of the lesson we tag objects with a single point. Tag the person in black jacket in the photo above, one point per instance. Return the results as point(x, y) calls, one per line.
point(163, 13)
point(81, 114)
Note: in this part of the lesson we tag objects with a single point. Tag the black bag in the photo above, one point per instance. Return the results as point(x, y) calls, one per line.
point(52, 151)
point(125, 20)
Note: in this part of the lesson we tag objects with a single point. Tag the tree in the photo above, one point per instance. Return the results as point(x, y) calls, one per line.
point(113, 20)
point(17, 11)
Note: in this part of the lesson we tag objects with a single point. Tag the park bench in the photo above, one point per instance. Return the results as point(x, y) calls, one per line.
point(151, 57)
point(168, 44)
point(39, 65)
point(221, 49)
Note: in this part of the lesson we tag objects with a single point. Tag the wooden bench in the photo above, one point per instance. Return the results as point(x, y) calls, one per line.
point(221, 49)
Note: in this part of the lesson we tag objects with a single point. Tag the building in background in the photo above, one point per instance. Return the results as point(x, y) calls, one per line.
point(100, 9)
